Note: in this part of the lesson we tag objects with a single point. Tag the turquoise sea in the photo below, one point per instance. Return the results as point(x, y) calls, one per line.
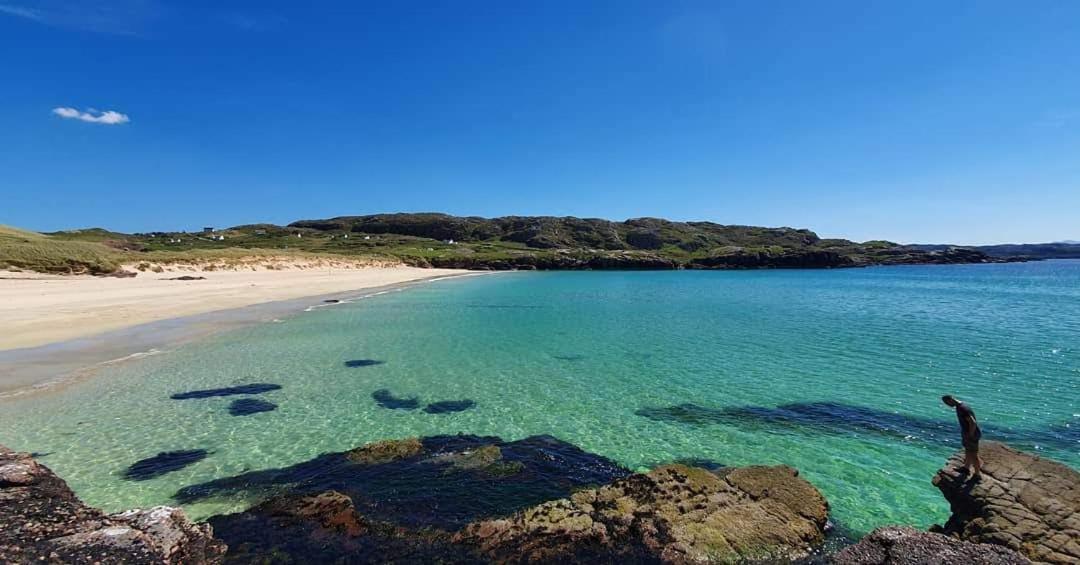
point(835, 372)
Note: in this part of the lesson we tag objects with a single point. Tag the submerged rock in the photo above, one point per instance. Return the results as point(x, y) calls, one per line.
point(448, 406)
point(248, 406)
point(1022, 501)
point(439, 482)
point(386, 399)
point(452, 499)
point(42, 521)
point(387, 451)
point(162, 463)
point(253, 388)
point(841, 418)
point(355, 363)
point(487, 459)
point(898, 545)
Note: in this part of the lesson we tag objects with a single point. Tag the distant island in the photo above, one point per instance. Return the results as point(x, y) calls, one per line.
point(511, 242)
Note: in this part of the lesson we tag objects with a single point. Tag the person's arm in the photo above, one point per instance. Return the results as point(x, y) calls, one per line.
point(971, 430)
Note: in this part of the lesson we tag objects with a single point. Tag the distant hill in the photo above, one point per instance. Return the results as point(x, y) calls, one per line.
point(568, 242)
point(1057, 250)
point(511, 242)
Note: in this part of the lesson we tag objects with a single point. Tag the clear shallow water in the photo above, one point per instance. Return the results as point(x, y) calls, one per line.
point(837, 373)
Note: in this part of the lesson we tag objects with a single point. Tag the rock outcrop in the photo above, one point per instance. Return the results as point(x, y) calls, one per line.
point(900, 545)
point(468, 499)
point(1022, 502)
point(42, 521)
point(674, 514)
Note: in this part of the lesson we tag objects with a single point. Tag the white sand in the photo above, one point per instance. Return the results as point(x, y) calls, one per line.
point(38, 309)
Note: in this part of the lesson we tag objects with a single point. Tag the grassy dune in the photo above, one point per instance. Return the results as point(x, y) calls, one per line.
point(26, 250)
point(98, 252)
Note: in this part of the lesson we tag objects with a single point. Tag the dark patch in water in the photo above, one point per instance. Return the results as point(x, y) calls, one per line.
point(253, 388)
point(39, 455)
point(162, 463)
point(839, 418)
point(703, 463)
point(505, 306)
point(569, 357)
point(425, 489)
point(363, 363)
point(386, 399)
point(246, 406)
point(331, 301)
point(447, 406)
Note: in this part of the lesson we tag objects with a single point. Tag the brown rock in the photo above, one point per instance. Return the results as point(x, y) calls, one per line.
point(672, 514)
point(385, 451)
point(41, 520)
point(331, 510)
point(895, 545)
point(1023, 502)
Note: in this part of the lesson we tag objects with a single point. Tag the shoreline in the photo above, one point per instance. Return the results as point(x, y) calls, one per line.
point(39, 369)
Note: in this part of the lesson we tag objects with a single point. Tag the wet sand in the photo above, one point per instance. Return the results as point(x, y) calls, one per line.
point(58, 329)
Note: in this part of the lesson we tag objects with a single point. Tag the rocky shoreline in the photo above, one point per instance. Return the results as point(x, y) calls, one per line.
point(603, 260)
point(469, 499)
point(42, 521)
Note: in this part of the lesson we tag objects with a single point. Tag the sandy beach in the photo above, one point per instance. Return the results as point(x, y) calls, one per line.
point(38, 309)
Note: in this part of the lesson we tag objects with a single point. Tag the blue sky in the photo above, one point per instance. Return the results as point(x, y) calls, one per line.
point(917, 121)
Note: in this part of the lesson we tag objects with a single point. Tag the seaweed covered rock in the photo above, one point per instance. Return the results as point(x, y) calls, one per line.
point(897, 545)
point(437, 482)
point(385, 451)
point(1022, 501)
point(673, 514)
point(41, 520)
point(469, 499)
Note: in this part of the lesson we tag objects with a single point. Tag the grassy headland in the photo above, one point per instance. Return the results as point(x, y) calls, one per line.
point(440, 240)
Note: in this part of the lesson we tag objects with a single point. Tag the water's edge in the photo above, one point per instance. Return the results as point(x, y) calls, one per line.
point(48, 368)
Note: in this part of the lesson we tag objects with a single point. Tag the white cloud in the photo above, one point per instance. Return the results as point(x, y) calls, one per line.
point(21, 12)
point(108, 117)
point(121, 17)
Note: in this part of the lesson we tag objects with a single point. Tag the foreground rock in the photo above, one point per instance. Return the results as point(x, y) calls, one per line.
point(1022, 502)
point(477, 499)
point(673, 514)
point(41, 520)
point(896, 545)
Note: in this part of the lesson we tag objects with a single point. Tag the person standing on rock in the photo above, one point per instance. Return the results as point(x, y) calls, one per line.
point(970, 434)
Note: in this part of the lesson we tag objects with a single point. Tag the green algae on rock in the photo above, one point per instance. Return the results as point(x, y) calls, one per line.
point(385, 451)
point(671, 514)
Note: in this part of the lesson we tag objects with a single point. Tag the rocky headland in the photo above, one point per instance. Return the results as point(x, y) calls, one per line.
point(470, 499)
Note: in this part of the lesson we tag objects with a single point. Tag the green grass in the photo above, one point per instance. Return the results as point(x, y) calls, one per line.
point(421, 239)
point(98, 252)
point(26, 250)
